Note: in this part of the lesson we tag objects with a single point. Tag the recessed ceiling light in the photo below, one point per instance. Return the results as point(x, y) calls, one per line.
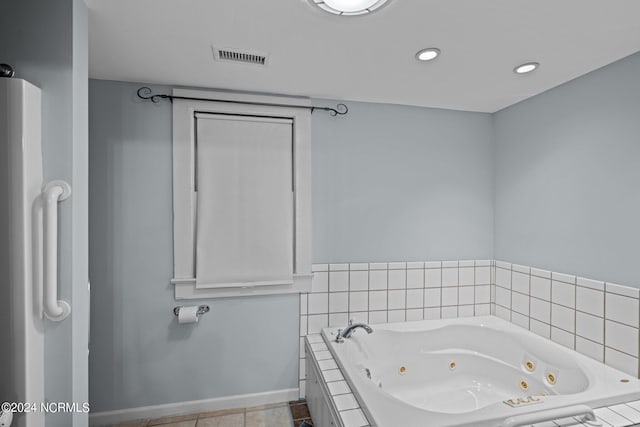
point(349, 7)
point(526, 68)
point(428, 54)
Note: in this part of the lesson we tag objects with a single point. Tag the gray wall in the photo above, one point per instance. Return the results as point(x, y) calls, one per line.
point(402, 183)
point(568, 176)
point(46, 43)
point(140, 356)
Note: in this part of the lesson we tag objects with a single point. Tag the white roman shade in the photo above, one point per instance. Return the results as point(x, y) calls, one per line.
point(241, 195)
point(244, 192)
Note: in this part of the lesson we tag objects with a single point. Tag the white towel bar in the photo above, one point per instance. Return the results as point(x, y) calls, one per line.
point(52, 193)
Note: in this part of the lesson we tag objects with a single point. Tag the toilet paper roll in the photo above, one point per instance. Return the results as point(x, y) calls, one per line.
point(188, 314)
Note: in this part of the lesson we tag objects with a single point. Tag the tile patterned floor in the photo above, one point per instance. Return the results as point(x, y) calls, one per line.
point(277, 415)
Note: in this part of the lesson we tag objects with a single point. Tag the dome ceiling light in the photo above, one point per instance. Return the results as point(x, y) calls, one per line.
point(349, 7)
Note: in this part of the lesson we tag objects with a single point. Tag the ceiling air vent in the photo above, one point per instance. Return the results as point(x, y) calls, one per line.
point(237, 55)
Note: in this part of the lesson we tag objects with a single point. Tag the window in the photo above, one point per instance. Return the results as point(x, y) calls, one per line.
point(241, 196)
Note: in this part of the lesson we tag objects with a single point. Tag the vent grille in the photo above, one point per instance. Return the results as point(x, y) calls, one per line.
point(235, 55)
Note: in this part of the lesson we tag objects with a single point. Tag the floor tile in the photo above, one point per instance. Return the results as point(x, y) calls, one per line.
point(273, 417)
point(220, 413)
point(299, 411)
point(232, 420)
point(173, 420)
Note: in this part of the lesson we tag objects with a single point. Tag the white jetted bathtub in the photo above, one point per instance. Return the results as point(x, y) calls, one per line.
point(480, 371)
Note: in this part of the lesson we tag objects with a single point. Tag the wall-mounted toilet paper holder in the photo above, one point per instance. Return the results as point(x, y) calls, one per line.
point(202, 309)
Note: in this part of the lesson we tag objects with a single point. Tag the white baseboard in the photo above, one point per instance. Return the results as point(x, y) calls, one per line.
point(109, 418)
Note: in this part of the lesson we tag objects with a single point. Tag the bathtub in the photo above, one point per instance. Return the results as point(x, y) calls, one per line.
point(479, 371)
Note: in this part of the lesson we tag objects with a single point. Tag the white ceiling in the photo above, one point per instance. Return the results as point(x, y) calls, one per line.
point(366, 58)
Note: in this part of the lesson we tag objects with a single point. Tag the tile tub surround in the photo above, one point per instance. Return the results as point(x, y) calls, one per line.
point(384, 292)
point(353, 415)
point(598, 319)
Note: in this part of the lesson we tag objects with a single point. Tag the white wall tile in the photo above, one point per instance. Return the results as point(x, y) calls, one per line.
point(397, 279)
point(466, 276)
point(318, 303)
point(520, 320)
point(482, 309)
point(338, 281)
point(520, 303)
point(338, 387)
point(466, 263)
point(377, 300)
point(377, 266)
point(397, 299)
point(503, 278)
point(303, 325)
point(592, 284)
point(562, 337)
point(449, 312)
point(449, 264)
point(449, 277)
point(449, 296)
point(338, 320)
point(358, 301)
point(432, 313)
point(590, 301)
point(415, 278)
point(483, 275)
point(503, 265)
point(415, 314)
point(359, 266)
point(503, 297)
point(483, 263)
point(432, 297)
point(338, 302)
point(520, 282)
point(320, 267)
point(563, 277)
point(503, 313)
point(621, 361)
point(590, 327)
point(316, 322)
point(396, 316)
point(465, 311)
point(622, 290)
point(359, 316)
point(320, 282)
point(541, 273)
point(433, 278)
point(377, 317)
point(563, 317)
point(563, 293)
point(627, 412)
point(303, 303)
point(590, 349)
point(540, 328)
point(378, 279)
point(415, 298)
point(483, 294)
point(433, 264)
point(397, 265)
point(415, 265)
point(540, 310)
point(621, 337)
point(541, 288)
point(466, 295)
point(339, 267)
point(358, 280)
point(353, 418)
point(521, 268)
point(622, 309)
point(345, 401)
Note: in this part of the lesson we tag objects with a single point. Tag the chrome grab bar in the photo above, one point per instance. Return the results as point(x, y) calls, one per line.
point(52, 193)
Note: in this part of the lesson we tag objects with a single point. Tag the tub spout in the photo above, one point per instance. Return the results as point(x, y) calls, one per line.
point(346, 332)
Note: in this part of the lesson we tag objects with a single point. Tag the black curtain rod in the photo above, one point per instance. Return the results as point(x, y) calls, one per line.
point(146, 93)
